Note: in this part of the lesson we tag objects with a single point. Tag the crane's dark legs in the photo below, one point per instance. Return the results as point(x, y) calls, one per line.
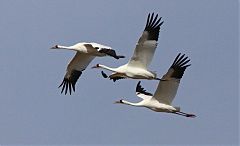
point(160, 79)
point(184, 114)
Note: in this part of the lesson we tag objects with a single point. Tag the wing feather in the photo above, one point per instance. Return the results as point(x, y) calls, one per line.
point(74, 70)
point(147, 43)
point(141, 92)
point(104, 49)
point(168, 86)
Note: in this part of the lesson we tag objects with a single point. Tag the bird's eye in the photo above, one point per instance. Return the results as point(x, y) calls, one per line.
point(56, 46)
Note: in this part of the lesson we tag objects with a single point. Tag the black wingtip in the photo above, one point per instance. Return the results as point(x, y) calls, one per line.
point(111, 53)
point(140, 89)
point(69, 82)
point(179, 65)
point(66, 85)
point(73, 87)
point(138, 84)
point(153, 26)
point(66, 88)
point(116, 78)
point(61, 83)
point(104, 75)
point(161, 23)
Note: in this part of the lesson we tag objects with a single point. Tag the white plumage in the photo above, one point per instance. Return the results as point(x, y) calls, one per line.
point(166, 90)
point(137, 66)
point(86, 52)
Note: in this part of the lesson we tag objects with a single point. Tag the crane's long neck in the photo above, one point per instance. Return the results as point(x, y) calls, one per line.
point(108, 68)
point(131, 103)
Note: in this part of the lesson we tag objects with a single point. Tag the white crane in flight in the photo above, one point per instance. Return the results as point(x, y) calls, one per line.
point(166, 90)
point(86, 52)
point(136, 68)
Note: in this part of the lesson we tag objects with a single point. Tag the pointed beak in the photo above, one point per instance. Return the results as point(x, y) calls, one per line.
point(116, 102)
point(54, 47)
point(119, 101)
point(94, 67)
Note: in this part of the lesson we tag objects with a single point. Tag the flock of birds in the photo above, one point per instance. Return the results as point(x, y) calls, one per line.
point(136, 68)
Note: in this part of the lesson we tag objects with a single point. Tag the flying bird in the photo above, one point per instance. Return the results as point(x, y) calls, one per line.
point(137, 66)
point(86, 52)
point(166, 91)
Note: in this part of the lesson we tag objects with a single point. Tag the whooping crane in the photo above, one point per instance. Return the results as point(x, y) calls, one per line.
point(166, 90)
point(86, 52)
point(136, 68)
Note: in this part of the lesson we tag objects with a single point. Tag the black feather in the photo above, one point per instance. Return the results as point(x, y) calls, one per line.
point(69, 82)
point(116, 78)
point(104, 75)
point(110, 52)
point(140, 89)
point(153, 26)
point(179, 66)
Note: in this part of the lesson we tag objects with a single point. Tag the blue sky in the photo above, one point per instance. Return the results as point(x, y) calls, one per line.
point(32, 110)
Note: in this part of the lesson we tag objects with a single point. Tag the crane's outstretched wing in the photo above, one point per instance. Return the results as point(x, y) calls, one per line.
point(74, 70)
point(147, 43)
point(168, 86)
point(103, 49)
point(141, 92)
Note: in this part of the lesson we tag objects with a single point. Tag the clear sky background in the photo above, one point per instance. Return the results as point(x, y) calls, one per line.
point(32, 110)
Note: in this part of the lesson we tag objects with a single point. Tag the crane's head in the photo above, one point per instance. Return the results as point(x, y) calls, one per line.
point(96, 66)
point(120, 101)
point(54, 47)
